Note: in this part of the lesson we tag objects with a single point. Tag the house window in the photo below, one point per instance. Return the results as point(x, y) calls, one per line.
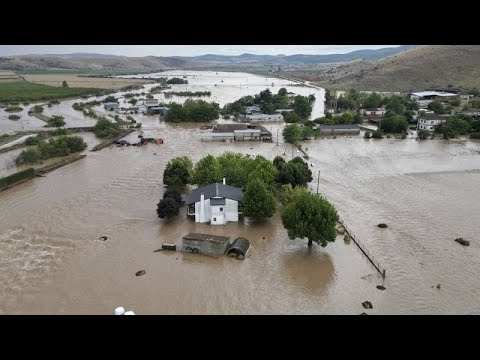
point(221, 209)
point(214, 219)
point(431, 121)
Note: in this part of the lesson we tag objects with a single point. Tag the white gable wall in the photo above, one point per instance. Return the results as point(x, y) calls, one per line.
point(205, 213)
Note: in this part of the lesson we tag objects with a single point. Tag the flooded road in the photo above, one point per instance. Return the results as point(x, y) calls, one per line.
point(426, 191)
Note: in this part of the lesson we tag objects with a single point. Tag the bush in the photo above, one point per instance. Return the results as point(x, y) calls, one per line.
point(53, 148)
point(13, 109)
point(377, 134)
point(423, 134)
point(13, 117)
point(29, 156)
point(367, 135)
point(33, 140)
point(60, 132)
point(475, 136)
point(106, 129)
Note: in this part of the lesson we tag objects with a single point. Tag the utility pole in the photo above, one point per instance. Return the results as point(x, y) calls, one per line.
point(277, 136)
point(292, 152)
point(318, 181)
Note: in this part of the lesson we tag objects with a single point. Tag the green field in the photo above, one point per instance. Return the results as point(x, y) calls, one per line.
point(25, 91)
point(84, 72)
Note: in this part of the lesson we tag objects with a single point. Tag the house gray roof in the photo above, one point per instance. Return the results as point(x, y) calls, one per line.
point(215, 190)
point(218, 201)
point(339, 126)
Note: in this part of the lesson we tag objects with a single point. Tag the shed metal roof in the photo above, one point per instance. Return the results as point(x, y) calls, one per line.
point(215, 190)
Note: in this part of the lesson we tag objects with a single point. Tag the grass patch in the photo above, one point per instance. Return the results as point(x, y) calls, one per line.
point(13, 117)
point(5, 138)
point(25, 91)
point(13, 109)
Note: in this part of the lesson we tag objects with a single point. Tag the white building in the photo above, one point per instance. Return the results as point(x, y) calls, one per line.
point(429, 122)
point(263, 117)
point(374, 112)
point(215, 203)
point(423, 98)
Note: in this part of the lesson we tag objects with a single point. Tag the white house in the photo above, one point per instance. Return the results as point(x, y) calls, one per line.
point(430, 121)
point(215, 203)
point(423, 98)
point(374, 112)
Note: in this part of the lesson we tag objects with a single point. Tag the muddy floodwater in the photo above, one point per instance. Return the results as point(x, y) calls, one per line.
point(52, 261)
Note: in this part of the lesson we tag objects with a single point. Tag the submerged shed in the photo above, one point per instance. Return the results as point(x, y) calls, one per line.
point(239, 248)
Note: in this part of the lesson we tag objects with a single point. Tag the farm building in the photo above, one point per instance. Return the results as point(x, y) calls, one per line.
point(339, 129)
point(237, 132)
point(206, 244)
point(263, 117)
point(374, 112)
point(430, 121)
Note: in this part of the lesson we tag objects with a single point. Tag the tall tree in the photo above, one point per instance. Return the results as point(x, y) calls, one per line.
point(302, 106)
point(292, 133)
point(206, 171)
point(167, 208)
point(312, 217)
point(259, 202)
point(177, 172)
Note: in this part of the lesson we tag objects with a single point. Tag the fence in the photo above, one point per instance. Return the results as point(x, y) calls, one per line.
point(362, 247)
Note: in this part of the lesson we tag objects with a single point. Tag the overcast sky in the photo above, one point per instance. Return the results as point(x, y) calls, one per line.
point(184, 50)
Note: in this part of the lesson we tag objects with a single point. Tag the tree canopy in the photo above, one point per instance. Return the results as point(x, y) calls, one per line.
point(259, 202)
point(292, 133)
point(311, 217)
point(177, 172)
point(206, 171)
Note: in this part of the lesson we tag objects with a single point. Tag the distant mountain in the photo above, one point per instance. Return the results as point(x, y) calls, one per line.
point(86, 61)
point(298, 58)
point(429, 66)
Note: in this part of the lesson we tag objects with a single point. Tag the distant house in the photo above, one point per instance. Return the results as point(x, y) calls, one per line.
point(374, 112)
point(423, 98)
point(215, 203)
point(110, 106)
point(472, 113)
point(263, 117)
point(237, 132)
point(152, 110)
point(430, 121)
point(279, 111)
point(339, 129)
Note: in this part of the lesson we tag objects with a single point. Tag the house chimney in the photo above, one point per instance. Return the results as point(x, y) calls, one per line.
point(224, 182)
point(202, 198)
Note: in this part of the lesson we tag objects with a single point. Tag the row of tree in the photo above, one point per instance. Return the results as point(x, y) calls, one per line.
point(192, 110)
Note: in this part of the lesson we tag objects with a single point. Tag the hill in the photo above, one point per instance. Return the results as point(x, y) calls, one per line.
point(429, 66)
point(90, 62)
point(298, 58)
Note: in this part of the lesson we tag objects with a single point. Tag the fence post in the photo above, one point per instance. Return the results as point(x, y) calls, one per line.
point(384, 273)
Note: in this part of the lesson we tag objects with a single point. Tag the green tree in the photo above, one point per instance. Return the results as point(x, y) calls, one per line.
point(453, 127)
point(280, 102)
point(109, 98)
point(167, 208)
point(295, 172)
point(278, 162)
point(377, 134)
point(311, 217)
point(233, 167)
point(282, 92)
point(292, 133)
point(394, 124)
point(173, 193)
point(259, 202)
point(177, 172)
point(64, 84)
point(56, 121)
point(302, 106)
point(265, 172)
point(206, 171)
point(29, 156)
point(133, 101)
point(437, 107)
point(373, 101)
point(288, 193)
point(423, 134)
point(357, 118)
point(106, 129)
point(291, 117)
point(307, 132)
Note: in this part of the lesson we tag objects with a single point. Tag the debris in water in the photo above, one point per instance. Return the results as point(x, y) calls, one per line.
point(463, 242)
point(103, 238)
point(439, 286)
point(382, 226)
point(381, 287)
point(157, 250)
point(367, 305)
point(140, 273)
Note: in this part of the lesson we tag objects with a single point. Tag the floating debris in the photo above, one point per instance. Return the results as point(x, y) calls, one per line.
point(463, 242)
point(140, 273)
point(382, 226)
point(103, 238)
point(381, 287)
point(367, 305)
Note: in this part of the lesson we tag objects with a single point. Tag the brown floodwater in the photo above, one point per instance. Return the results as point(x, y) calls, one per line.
point(52, 261)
